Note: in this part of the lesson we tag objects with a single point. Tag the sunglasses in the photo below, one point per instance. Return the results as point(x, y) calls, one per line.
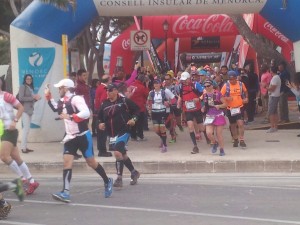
point(207, 86)
point(110, 90)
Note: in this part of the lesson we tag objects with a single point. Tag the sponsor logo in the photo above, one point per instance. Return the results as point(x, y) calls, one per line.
point(35, 59)
point(270, 28)
point(126, 44)
point(220, 23)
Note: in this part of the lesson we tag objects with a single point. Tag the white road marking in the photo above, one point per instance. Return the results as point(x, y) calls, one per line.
point(245, 218)
point(18, 223)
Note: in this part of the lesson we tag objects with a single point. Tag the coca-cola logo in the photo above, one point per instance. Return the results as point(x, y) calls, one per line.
point(219, 23)
point(269, 27)
point(126, 44)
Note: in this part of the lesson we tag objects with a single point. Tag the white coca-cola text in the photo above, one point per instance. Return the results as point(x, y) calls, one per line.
point(276, 32)
point(126, 44)
point(220, 23)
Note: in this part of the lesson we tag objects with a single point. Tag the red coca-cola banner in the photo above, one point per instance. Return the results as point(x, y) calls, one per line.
point(190, 25)
point(270, 32)
point(187, 26)
point(121, 48)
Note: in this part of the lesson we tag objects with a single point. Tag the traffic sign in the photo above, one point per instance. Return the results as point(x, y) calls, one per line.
point(140, 40)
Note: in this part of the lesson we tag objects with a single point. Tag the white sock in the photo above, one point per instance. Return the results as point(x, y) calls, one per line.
point(15, 168)
point(24, 168)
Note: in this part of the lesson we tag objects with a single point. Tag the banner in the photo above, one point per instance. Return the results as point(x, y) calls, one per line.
point(37, 62)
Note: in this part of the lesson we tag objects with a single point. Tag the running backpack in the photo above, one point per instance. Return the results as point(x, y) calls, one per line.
point(163, 95)
point(227, 93)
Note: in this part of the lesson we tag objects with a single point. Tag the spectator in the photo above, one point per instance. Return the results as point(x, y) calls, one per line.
point(253, 90)
point(27, 98)
point(264, 83)
point(100, 96)
point(138, 94)
point(274, 96)
point(283, 100)
point(95, 83)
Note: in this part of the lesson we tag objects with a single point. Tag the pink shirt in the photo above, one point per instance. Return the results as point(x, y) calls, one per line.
point(265, 81)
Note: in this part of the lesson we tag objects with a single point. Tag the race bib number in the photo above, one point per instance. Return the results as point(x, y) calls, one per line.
point(209, 120)
point(112, 140)
point(235, 111)
point(190, 105)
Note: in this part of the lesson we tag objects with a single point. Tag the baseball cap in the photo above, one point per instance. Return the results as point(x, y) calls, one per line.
point(65, 83)
point(157, 81)
point(202, 72)
point(111, 86)
point(185, 76)
point(232, 73)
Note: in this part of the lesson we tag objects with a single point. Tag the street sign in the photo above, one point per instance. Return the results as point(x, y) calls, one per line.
point(140, 40)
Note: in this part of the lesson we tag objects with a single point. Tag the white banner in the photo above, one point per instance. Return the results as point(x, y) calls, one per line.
point(175, 7)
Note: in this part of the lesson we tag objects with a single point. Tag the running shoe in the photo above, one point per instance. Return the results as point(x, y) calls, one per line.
point(172, 141)
point(180, 128)
point(271, 130)
point(222, 152)
point(108, 188)
point(62, 196)
point(32, 187)
point(19, 189)
point(163, 149)
point(236, 143)
point(4, 210)
point(134, 177)
point(195, 150)
point(243, 144)
point(118, 183)
point(214, 147)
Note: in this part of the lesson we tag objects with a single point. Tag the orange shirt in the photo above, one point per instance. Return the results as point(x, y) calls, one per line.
point(235, 93)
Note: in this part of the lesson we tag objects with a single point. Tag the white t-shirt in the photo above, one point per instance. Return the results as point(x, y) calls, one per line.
point(158, 104)
point(277, 82)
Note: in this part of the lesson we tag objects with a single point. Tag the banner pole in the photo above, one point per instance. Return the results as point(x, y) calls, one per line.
point(65, 55)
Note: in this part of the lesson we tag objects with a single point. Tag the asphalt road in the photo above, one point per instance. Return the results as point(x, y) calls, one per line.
point(208, 199)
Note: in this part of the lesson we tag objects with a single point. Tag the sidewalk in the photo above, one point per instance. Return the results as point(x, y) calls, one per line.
point(275, 152)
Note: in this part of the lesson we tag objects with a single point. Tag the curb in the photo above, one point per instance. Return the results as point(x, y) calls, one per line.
point(159, 167)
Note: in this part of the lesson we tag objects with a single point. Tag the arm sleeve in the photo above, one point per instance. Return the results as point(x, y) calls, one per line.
point(9, 98)
point(53, 105)
point(84, 112)
point(132, 78)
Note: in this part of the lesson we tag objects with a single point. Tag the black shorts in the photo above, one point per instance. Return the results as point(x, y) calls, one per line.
point(84, 143)
point(120, 143)
point(10, 136)
point(197, 115)
point(176, 112)
point(159, 117)
point(233, 119)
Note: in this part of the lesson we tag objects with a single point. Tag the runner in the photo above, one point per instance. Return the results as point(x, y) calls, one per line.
point(74, 111)
point(9, 153)
point(159, 101)
point(236, 95)
point(17, 187)
point(215, 119)
point(116, 115)
point(175, 113)
point(190, 103)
